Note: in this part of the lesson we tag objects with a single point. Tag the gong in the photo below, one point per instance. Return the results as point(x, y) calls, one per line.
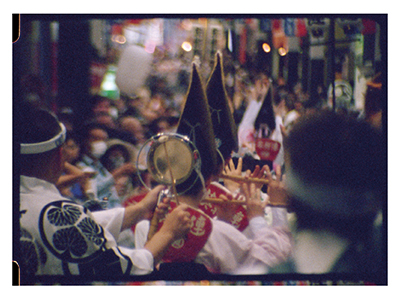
point(169, 159)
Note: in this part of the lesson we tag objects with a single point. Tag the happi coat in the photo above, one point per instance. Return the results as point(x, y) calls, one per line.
point(60, 237)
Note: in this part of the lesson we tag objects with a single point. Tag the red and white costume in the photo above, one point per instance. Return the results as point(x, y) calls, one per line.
point(229, 251)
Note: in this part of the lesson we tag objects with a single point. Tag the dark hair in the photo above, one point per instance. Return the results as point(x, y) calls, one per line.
point(96, 99)
point(266, 114)
point(329, 148)
point(84, 131)
point(105, 159)
point(192, 186)
point(35, 125)
point(72, 135)
point(326, 148)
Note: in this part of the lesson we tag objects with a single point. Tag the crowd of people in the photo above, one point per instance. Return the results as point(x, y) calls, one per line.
point(77, 216)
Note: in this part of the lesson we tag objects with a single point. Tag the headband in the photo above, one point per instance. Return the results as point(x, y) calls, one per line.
point(35, 148)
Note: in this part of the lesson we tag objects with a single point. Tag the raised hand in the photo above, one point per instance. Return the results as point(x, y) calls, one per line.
point(258, 173)
point(231, 170)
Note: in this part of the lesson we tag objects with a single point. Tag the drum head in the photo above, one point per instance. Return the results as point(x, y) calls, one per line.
point(171, 159)
point(167, 158)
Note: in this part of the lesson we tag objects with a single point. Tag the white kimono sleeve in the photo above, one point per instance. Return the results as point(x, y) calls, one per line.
point(228, 251)
point(110, 219)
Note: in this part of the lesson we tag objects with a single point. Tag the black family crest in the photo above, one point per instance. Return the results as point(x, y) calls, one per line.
point(69, 233)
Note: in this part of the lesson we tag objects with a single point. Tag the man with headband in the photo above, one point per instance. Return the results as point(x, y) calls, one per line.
point(60, 237)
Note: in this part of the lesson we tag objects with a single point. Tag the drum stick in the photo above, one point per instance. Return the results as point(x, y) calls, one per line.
point(153, 226)
point(174, 192)
point(154, 220)
point(238, 178)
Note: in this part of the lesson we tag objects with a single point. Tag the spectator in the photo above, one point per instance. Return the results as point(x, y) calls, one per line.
point(67, 117)
point(135, 129)
point(118, 154)
point(335, 173)
point(94, 145)
point(73, 182)
point(343, 92)
point(292, 114)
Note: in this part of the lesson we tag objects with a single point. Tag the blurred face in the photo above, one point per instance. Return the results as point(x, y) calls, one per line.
point(105, 119)
point(117, 158)
point(163, 126)
point(102, 107)
point(134, 126)
point(98, 134)
point(71, 150)
point(97, 141)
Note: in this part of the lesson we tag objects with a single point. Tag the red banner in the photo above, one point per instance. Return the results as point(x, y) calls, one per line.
point(267, 149)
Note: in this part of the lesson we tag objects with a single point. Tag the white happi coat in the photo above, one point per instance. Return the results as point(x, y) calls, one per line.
point(229, 251)
point(60, 237)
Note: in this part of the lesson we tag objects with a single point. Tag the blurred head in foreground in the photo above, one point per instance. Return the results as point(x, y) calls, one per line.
point(336, 174)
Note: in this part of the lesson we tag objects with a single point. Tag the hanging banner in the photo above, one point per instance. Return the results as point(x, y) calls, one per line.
point(294, 27)
point(279, 38)
point(369, 26)
point(289, 27)
point(265, 25)
point(301, 29)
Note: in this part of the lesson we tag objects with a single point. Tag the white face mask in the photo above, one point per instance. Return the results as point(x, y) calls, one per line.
point(98, 148)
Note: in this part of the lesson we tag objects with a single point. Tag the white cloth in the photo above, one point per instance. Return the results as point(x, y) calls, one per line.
point(246, 126)
point(317, 252)
point(277, 136)
point(69, 239)
point(289, 119)
point(228, 251)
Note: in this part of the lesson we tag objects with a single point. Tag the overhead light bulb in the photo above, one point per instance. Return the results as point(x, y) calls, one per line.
point(282, 51)
point(266, 47)
point(186, 46)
